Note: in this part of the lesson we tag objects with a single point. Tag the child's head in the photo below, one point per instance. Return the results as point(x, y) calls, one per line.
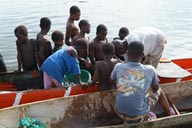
point(135, 51)
point(101, 31)
point(75, 12)
point(108, 49)
point(21, 33)
point(123, 32)
point(45, 23)
point(81, 46)
point(81, 42)
point(57, 37)
point(84, 26)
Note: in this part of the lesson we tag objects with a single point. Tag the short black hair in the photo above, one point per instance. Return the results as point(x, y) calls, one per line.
point(21, 29)
point(101, 27)
point(81, 42)
point(124, 30)
point(83, 23)
point(45, 22)
point(136, 49)
point(108, 49)
point(74, 9)
point(57, 36)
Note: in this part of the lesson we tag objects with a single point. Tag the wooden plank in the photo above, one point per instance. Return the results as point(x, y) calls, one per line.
point(171, 70)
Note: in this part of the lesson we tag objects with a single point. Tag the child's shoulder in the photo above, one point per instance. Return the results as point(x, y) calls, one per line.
point(33, 41)
point(150, 67)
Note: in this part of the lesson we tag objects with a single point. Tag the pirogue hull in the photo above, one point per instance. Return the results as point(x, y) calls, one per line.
point(175, 71)
point(97, 110)
point(34, 79)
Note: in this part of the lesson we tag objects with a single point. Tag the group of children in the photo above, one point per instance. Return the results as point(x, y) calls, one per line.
point(34, 54)
point(119, 61)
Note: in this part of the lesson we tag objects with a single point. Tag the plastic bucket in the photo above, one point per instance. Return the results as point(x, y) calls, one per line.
point(71, 79)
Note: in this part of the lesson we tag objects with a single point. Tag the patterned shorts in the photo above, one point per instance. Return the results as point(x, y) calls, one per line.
point(153, 97)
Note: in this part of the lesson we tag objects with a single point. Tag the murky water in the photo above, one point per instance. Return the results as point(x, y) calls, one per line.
point(174, 17)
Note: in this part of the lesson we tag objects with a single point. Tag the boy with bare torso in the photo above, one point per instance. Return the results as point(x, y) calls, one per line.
point(57, 37)
point(44, 48)
point(26, 50)
point(84, 61)
point(120, 48)
point(104, 68)
point(84, 26)
point(120, 43)
point(71, 28)
point(96, 45)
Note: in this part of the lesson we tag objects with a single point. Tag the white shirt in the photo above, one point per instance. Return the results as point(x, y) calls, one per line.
point(149, 36)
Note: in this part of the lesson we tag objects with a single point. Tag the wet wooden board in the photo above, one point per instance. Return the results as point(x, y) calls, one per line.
point(171, 70)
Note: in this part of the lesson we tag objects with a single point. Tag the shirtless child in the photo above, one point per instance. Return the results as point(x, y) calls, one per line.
point(44, 48)
point(57, 37)
point(71, 28)
point(84, 61)
point(96, 45)
point(104, 68)
point(84, 30)
point(120, 48)
point(123, 32)
point(26, 50)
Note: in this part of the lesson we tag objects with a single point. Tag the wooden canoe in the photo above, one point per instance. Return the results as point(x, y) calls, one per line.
point(97, 110)
point(34, 79)
point(172, 71)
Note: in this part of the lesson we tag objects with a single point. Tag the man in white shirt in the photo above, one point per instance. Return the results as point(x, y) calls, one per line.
point(154, 42)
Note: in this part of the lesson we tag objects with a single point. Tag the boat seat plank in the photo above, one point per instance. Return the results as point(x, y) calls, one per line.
point(171, 70)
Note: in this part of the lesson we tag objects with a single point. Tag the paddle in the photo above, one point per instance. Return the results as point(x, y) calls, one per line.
point(173, 105)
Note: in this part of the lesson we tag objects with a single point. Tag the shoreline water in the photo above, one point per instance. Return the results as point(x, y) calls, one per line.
point(173, 18)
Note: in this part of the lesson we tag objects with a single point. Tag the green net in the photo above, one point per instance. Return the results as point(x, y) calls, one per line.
point(30, 123)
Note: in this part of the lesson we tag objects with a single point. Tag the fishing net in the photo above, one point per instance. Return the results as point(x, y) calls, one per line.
point(30, 123)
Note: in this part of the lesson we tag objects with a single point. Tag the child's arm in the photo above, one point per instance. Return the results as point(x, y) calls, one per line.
point(68, 35)
point(19, 56)
point(96, 75)
point(92, 53)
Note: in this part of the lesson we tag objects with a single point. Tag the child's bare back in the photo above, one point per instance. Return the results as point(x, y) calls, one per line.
point(104, 68)
point(44, 48)
point(26, 49)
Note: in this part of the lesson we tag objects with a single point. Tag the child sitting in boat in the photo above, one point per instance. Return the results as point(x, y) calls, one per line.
point(104, 68)
point(57, 37)
point(26, 50)
point(133, 81)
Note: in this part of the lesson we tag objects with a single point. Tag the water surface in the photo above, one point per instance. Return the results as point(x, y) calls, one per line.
point(173, 17)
